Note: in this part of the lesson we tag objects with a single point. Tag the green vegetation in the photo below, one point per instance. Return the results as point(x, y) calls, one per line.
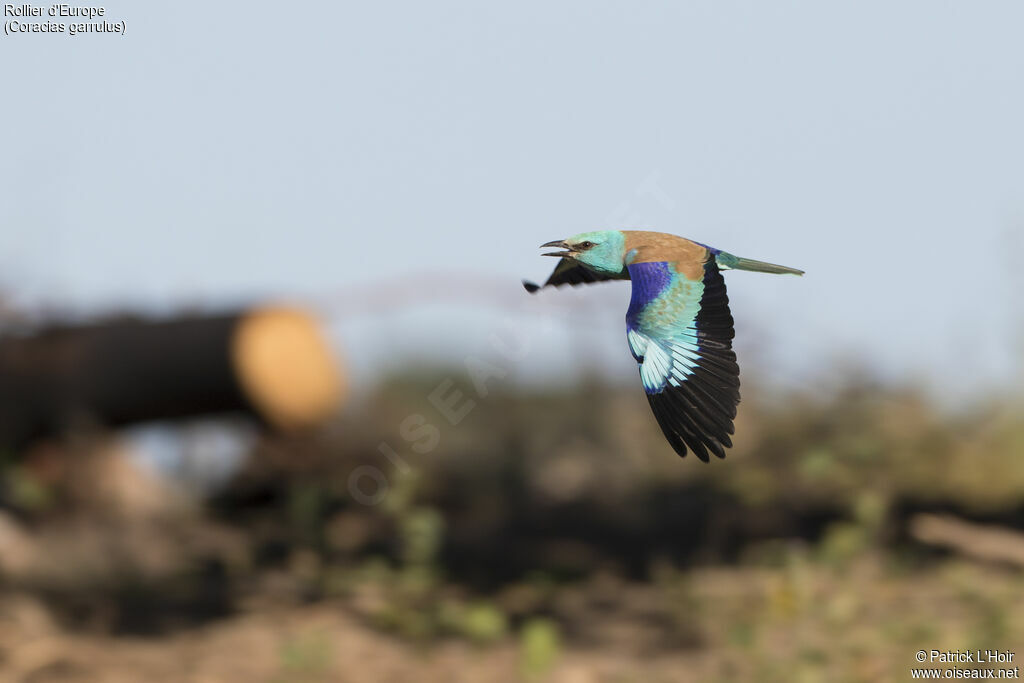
point(554, 528)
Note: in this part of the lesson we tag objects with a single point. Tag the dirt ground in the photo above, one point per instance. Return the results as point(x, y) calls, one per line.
point(315, 643)
point(806, 621)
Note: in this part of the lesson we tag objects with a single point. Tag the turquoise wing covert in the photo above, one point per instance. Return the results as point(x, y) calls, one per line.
point(680, 331)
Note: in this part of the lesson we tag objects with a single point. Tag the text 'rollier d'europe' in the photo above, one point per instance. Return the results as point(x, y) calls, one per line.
point(28, 18)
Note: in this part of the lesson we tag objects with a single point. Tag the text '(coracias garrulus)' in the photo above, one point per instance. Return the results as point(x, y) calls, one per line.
point(678, 325)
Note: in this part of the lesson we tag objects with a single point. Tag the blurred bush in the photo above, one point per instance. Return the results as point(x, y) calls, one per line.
point(559, 519)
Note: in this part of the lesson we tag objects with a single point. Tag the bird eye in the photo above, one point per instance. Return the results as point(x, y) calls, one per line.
point(585, 245)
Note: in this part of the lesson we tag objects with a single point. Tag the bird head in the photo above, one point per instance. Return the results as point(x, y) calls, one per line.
point(602, 251)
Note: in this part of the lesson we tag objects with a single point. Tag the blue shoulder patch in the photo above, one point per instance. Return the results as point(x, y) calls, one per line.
point(649, 280)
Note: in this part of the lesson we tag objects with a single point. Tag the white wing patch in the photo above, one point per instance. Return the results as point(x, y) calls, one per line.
point(656, 368)
point(637, 342)
point(670, 361)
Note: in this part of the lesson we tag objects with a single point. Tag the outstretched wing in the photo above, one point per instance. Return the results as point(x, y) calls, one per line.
point(680, 332)
point(570, 272)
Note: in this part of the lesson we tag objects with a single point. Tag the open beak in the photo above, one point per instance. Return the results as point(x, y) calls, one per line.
point(558, 244)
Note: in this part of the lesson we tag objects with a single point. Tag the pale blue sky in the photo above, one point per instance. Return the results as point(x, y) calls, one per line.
point(226, 152)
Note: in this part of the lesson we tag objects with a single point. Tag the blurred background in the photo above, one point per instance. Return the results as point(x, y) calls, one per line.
point(275, 407)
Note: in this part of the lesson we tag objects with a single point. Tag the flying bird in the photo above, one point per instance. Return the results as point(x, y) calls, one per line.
point(678, 325)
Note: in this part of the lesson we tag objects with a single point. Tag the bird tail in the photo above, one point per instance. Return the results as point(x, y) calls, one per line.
point(727, 261)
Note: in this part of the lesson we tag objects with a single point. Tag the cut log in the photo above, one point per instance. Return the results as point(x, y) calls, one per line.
point(271, 362)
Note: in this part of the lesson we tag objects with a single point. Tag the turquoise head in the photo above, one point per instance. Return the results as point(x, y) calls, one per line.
point(602, 251)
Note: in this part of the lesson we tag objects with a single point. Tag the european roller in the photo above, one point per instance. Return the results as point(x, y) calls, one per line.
point(678, 325)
